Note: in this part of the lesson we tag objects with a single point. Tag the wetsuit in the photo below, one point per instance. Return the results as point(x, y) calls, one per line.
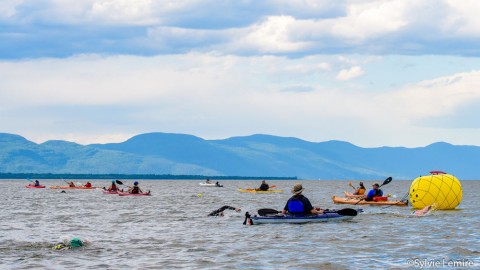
point(219, 211)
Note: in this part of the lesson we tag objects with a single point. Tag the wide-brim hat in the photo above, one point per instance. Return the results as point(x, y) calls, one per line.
point(297, 189)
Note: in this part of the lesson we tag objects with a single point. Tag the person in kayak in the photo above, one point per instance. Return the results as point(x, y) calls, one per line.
point(264, 186)
point(219, 212)
point(37, 183)
point(113, 187)
point(135, 189)
point(71, 184)
point(299, 204)
point(360, 190)
point(218, 184)
point(88, 184)
point(208, 181)
point(375, 192)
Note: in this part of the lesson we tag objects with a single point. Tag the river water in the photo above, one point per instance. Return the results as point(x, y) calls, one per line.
point(171, 230)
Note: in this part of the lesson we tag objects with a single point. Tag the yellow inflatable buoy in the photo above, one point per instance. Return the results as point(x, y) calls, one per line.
point(199, 195)
point(440, 189)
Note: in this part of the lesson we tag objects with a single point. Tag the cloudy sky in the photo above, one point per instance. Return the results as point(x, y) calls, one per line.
point(373, 73)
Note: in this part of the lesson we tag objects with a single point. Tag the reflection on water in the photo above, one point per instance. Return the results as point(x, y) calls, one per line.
point(171, 229)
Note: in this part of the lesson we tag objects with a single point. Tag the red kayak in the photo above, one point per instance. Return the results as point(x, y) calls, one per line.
point(110, 192)
point(133, 194)
point(33, 186)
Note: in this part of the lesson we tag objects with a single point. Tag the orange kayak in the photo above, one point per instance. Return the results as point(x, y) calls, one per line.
point(340, 200)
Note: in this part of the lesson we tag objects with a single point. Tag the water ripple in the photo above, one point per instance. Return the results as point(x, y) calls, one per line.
point(171, 230)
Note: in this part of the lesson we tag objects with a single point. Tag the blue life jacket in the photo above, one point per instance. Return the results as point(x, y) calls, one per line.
point(295, 207)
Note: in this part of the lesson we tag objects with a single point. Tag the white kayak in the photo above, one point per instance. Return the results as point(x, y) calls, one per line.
point(210, 185)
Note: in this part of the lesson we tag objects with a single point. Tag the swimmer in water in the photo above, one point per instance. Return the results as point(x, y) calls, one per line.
point(426, 210)
point(219, 212)
point(70, 243)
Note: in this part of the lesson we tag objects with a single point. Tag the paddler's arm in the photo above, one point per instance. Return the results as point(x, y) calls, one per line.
point(316, 212)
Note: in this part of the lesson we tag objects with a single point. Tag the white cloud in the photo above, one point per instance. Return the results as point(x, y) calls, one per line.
point(463, 18)
point(351, 73)
point(435, 98)
point(272, 36)
point(8, 8)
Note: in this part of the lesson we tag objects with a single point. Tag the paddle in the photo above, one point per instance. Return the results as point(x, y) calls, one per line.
point(121, 183)
point(66, 182)
point(268, 212)
point(388, 180)
point(350, 184)
point(28, 179)
point(343, 212)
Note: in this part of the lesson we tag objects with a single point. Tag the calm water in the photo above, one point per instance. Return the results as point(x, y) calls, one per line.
point(171, 230)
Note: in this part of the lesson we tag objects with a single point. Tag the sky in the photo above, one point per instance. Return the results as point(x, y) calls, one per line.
point(373, 73)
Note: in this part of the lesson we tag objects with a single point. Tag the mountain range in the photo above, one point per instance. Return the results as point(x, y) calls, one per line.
point(255, 155)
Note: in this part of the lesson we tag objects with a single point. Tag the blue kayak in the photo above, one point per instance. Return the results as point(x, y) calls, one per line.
point(328, 215)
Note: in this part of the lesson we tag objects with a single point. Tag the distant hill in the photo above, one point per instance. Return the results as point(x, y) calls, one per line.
point(255, 155)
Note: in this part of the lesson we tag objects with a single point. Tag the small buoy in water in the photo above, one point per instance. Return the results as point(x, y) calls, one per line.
point(199, 195)
point(63, 191)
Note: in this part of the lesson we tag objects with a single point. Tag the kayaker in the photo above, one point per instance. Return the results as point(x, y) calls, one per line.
point(208, 181)
point(113, 187)
point(375, 192)
point(37, 183)
point(88, 185)
point(219, 212)
point(70, 243)
point(360, 190)
point(218, 184)
point(264, 186)
point(71, 184)
point(299, 204)
point(135, 189)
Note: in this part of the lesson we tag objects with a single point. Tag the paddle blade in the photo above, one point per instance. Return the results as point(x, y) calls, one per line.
point(267, 211)
point(388, 180)
point(347, 212)
point(273, 186)
point(119, 182)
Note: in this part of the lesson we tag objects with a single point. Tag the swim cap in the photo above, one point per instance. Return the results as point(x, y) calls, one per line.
point(135, 183)
point(76, 242)
point(113, 182)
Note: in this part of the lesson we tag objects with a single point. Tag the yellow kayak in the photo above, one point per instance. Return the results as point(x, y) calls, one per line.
point(252, 190)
